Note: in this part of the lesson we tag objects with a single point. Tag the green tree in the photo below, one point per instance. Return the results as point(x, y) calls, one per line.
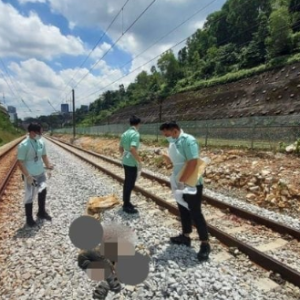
point(242, 16)
point(170, 68)
point(279, 41)
point(255, 53)
point(294, 10)
point(217, 27)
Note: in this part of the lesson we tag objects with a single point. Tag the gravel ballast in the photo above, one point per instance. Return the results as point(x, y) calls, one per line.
point(41, 264)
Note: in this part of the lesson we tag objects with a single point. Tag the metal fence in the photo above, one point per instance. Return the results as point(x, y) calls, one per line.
point(252, 132)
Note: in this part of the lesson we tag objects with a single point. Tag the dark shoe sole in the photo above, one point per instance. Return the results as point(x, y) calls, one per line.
point(201, 259)
point(48, 218)
point(130, 210)
point(180, 243)
point(31, 223)
point(204, 255)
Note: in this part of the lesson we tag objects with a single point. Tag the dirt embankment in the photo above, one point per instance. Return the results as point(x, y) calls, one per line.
point(262, 178)
point(270, 93)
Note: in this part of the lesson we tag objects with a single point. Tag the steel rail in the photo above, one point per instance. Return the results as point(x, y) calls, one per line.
point(254, 255)
point(240, 212)
point(4, 184)
point(7, 178)
point(16, 142)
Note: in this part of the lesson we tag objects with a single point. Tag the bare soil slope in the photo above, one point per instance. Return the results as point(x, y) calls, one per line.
point(270, 93)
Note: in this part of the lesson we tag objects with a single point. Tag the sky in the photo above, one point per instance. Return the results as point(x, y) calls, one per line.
point(49, 47)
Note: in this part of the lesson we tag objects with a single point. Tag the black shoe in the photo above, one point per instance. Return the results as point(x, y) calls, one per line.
point(114, 284)
point(203, 254)
point(44, 215)
point(130, 210)
point(29, 220)
point(181, 240)
point(101, 291)
point(131, 205)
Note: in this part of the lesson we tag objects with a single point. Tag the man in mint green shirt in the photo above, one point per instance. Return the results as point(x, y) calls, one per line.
point(129, 144)
point(184, 151)
point(31, 156)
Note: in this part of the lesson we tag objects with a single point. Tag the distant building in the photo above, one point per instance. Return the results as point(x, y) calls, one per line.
point(84, 108)
point(65, 108)
point(13, 117)
point(11, 109)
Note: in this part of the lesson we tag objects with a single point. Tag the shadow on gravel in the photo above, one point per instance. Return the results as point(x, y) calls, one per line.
point(181, 256)
point(28, 232)
point(126, 216)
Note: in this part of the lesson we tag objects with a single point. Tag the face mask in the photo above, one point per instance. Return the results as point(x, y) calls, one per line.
point(170, 139)
point(37, 137)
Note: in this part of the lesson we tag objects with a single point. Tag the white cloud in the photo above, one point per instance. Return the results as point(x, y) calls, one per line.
point(162, 17)
point(27, 37)
point(37, 45)
point(33, 1)
point(36, 82)
point(101, 50)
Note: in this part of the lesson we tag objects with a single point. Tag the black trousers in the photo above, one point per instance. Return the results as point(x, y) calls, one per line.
point(130, 178)
point(194, 214)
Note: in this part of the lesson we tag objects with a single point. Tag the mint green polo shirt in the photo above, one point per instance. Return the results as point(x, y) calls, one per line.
point(129, 138)
point(27, 150)
point(188, 147)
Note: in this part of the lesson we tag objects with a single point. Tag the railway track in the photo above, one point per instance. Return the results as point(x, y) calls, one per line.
point(265, 238)
point(8, 163)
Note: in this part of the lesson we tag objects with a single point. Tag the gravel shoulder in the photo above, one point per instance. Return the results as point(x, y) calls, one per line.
point(42, 264)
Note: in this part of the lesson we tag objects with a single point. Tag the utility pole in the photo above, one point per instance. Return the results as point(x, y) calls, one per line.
point(73, 99)
point(160, 99)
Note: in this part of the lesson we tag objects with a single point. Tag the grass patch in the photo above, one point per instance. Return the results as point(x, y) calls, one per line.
point(8, 132)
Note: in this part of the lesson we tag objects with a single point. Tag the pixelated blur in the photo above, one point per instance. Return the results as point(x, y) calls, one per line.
point(133, 270)
point(86, 233)
point(116, 243)
point(98, 270)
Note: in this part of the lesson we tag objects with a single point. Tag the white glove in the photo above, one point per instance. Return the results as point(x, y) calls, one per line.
point(42, 186)
point(180, 186)
point(139, 166)
point(139, 170)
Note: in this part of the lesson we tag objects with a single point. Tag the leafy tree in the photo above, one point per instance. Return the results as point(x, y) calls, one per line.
point(217, 27)
point(242, 18)
point(279, 41)
point(170, 68)
point(294, 10)
point(255, 53)
point(183, 57)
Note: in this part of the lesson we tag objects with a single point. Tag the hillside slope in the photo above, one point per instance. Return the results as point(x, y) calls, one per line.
point(7, 131)
point(272, 93)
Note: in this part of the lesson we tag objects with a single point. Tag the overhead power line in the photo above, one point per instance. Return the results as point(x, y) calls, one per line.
point(18, 97)
point(115, 43)
point(52, 106)
point(98, 42)
point(221, 42)
point(138, 67)
point(167, 34)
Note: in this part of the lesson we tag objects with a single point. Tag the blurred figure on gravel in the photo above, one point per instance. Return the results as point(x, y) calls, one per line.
point(184, 155)
point(129, 144)
point(31, 155)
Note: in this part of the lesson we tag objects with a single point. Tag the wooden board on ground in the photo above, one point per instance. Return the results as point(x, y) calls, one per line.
point(98, 204)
